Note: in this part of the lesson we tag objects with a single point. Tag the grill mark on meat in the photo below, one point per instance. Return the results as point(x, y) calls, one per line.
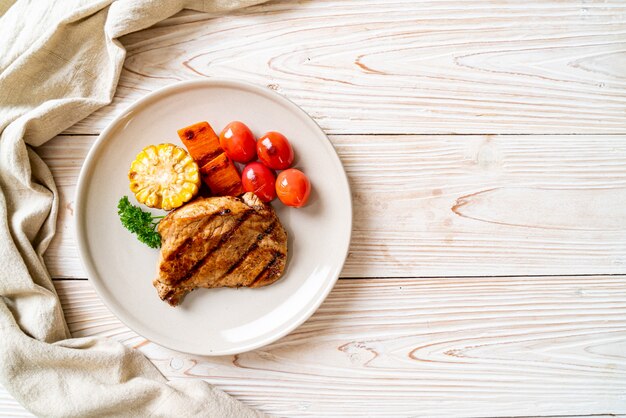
point(266, 270)
point(250, 249)
point(225, 237)
point(188, 242)
point(224, 244)
point(184, 246)
point(234, 229)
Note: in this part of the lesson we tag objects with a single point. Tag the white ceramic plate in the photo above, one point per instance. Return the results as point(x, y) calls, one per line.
point(215, 321)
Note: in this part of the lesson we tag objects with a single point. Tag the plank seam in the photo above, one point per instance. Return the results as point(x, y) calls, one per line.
point(609, 414)
point(512, 276)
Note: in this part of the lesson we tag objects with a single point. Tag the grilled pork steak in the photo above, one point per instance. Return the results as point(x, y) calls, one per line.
point(219, 242)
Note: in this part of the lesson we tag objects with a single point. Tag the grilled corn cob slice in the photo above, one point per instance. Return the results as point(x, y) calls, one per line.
point(164, 176)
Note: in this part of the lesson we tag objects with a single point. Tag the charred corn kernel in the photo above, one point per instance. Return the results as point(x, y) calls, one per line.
point(164, 176)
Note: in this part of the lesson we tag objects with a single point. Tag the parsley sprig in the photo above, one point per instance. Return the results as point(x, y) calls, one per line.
point(141, 223)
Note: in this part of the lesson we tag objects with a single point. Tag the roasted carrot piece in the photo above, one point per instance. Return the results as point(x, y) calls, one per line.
point(222, 177)
point(201, 142)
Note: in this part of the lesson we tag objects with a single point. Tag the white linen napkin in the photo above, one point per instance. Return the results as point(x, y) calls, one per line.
point(60, 61)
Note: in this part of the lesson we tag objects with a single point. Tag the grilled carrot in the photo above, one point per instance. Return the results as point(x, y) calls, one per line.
point(201, 142)
point(221, 175)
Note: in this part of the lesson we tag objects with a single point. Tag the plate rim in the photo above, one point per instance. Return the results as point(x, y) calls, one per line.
point(83, 177)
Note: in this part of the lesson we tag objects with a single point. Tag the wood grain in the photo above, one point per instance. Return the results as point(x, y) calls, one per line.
point(429, 347)
point(9, 407)
point(426, 203)
point(450, 205)
point(373, 66)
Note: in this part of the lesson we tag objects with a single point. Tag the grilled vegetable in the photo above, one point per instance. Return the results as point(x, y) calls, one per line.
point(260, 180)
point(221, 175)
point(238, 142)
point(293, 187)
point(164, 176)
point(201, 142)
point(275, 151)
point(141, 223)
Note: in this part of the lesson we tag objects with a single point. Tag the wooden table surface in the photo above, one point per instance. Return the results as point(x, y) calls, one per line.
point(485, 143)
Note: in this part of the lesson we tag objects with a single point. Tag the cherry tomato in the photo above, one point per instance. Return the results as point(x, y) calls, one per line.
point(259, 179)
point(275, 151)
point(293, 188)
point(238, 142)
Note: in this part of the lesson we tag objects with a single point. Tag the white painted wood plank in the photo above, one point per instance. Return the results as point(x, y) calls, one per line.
point(9, 407)
point(424, 205)
point(416, 347)
point(420, 347)
point(450, 205)
point(411, 66)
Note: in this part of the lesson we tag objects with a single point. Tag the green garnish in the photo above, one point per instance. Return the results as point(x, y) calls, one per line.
point(138, 222)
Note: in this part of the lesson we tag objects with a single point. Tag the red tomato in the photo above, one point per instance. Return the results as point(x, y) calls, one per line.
point(293, 187)
point(238, 142)
point(275, 151)
point(258, 179)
